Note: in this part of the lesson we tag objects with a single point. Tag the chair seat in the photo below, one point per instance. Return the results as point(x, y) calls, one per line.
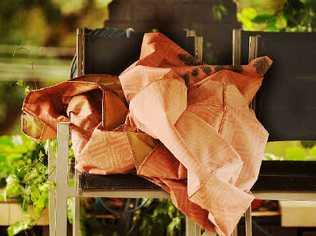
point(91, 182)
point(294, 176)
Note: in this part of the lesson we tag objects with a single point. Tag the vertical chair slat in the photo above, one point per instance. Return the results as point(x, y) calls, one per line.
point(236, 47)
point(253, 47)
point(253, 51)
point(80, 48)
point(252, 54)
point(76, 217)
point(61, 178)
point(248, 222)
point(198, 46)
point(76, 213)
point(191, 228)
point(236, 63)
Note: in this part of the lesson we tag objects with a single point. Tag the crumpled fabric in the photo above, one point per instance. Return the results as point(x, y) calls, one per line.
point(186, 127)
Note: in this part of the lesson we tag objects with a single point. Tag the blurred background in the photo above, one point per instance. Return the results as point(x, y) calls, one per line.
point(37, 45)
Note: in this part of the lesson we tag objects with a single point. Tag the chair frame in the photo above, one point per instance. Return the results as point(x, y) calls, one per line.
point(58, 162)
point(266, 195)
point(80, 49)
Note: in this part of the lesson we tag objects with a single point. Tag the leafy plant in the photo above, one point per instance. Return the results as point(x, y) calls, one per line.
point(277, 15)
point(155, 216)
point(24, 174)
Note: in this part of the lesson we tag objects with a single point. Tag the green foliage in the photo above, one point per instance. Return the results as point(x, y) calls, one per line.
point(24, 168)
point(291, 151)
point(277, 15)
point(15, 13)
point(48, 22)
point(219, 11)
point(155, 215)
point(11, 97)
point(300, 15)
point(20, 226)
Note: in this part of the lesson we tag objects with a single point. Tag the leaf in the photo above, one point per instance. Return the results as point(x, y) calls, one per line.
point(219, 11)
point(171, 211)
point(70, 209)
point(19, 226)
point(24, 163)
point(13, 187)
point(308, 144)
point(262, 18)
point(147, 202)
point(281, 22)
point(249, 13)
point(174, 226)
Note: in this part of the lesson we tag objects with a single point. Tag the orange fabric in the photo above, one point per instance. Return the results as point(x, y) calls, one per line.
point(189, 128)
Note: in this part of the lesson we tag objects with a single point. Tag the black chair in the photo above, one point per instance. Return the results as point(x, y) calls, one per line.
point(286, 102)
point(105, 51)
point(286, 106)
point(119, 47)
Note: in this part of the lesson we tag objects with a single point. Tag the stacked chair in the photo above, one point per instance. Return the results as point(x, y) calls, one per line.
point(285, 105)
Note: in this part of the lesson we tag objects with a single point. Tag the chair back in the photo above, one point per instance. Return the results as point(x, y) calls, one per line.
point(110, 50)
point(286, 102)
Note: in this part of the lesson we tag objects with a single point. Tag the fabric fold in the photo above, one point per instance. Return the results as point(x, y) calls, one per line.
point(184, 125)
point(216, 136)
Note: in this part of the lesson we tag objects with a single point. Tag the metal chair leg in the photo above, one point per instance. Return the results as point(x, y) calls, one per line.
point(248, 222)
point(192, 229)
point(76, 218)
point(209, 234)
point(61, 179)
point(236, 48)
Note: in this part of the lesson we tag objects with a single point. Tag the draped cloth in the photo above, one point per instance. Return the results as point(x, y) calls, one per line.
point(185, 126)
